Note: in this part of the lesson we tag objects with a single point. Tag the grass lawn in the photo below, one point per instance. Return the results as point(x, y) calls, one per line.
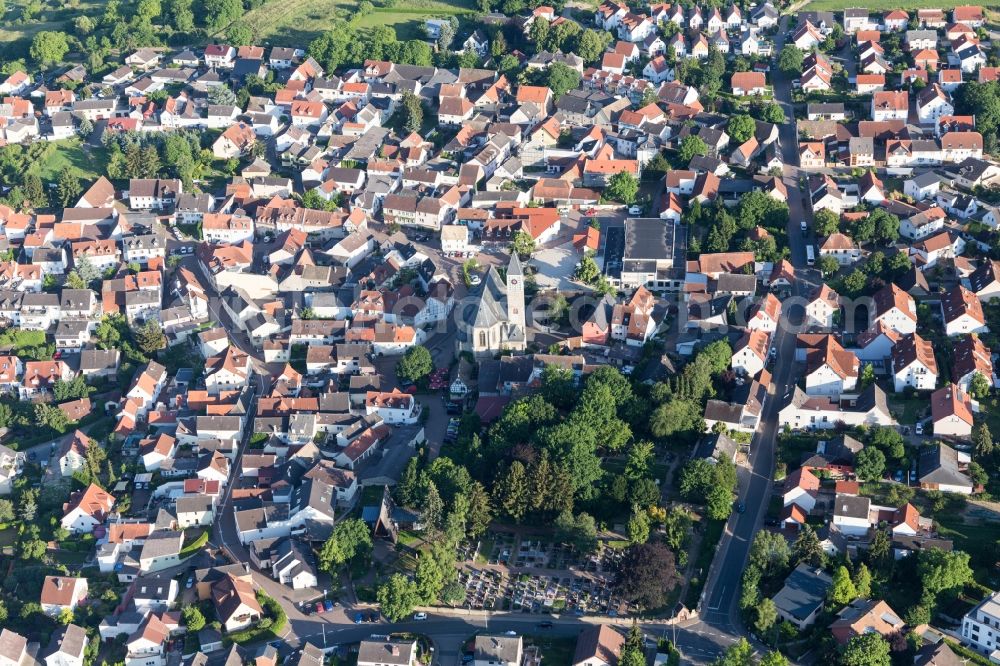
point(706, 552)
point(556, 650)
point(907, 411)
point(16, 36)
point(297, 22)
point(979, 539)
point(87, 163)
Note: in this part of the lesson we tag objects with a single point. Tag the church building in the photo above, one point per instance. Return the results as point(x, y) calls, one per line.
point(493, 319)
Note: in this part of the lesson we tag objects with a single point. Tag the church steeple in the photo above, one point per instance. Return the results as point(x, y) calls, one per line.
point(515, 293)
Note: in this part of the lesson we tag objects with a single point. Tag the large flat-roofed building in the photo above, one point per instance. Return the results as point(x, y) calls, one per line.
point(650, 257)
point(979, 626)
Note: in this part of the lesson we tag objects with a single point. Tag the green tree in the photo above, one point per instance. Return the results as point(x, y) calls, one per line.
point(510, 492)
point(767, 615)
point(982, 441)
point(979, 386)
point(807, 549)
point(828, 265)
point(879, 549)
point(587, 271)
point(842, 591)
point(592, 44)
point(397, 597)
point(193, 618)
point(409, 483)
point(149, 337)
point(770, 553)
point(6, 511)
point(790, 60)
point(867, 375)
point(740, 128)
point(739, 653)
point(49, 47)
point(691, 145)
point(350, 539)
point(943, 570)
point(31, 549)
point(633, 652)
point(432, 508)
point(869, 464)
point(52, 417)
point(656, 168)
point(886, 224)
point(413, 112)
point(826, 222)
point(240, 34)
point(679, 415)
point(889, 441)
point(110, 331)
point(416, 364)
point(480, 511)
point(867, 649)
point(220, 13)
point(579, 531)
point(522, 244)
point(71, 390)
point(622, 186)
point(773, 113)
point(638, 526)
point(561, 78)
point(773, 658)
point(863, 581)
point(638, 460)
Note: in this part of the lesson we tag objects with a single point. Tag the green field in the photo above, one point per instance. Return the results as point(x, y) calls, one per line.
point(15, 36)
point(87, 162)
point(297, 22)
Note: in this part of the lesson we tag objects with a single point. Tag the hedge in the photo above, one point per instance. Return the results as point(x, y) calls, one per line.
point(268, 628)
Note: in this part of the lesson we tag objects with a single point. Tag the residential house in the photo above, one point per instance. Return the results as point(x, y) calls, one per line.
point(914, 364)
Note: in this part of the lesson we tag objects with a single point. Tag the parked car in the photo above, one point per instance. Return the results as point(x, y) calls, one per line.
point(359, 618)
point(319, 607)
point(420, 616)
point(328, 605)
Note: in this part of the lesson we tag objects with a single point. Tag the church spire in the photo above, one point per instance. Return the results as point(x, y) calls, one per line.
point(515, 293)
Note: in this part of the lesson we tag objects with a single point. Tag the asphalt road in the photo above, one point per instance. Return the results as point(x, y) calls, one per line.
point(720, 601)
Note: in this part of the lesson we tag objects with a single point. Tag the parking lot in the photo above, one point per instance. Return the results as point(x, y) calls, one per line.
point(536, 576)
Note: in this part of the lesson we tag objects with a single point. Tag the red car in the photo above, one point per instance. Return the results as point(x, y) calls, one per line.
point(412, 388)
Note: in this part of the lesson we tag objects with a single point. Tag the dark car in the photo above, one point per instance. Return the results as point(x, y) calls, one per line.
point(544, 625)
point(373, 617)
point(328, 605)
point(359, 618)
point(741, 507)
